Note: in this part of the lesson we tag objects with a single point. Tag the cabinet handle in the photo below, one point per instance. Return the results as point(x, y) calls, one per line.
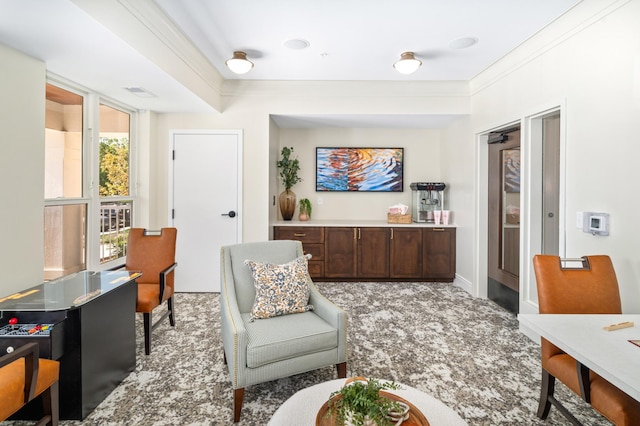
point(438, 229)
point(392, 233)
point(298, 234)
point(355, 235)
point(359, 234)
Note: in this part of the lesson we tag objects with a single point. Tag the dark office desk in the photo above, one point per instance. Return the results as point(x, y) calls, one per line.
point(90, 318)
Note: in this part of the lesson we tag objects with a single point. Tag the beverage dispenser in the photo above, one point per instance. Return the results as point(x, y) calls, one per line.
point(426, 198)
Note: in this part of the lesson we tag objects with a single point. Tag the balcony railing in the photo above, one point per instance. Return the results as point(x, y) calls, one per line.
point(115, 221)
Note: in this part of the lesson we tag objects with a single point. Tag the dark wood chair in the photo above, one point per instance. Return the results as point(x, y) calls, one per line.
point(23, 377)
point(154, 254)
point(591, 288)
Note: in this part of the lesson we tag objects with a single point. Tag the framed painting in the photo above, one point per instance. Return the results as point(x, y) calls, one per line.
point(359, 169)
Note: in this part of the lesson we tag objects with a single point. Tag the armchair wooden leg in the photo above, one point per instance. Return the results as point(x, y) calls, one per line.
point(50, 406)
point(342, 370)
point(147, 332)
point(547, 399)
point(172, 319)
point(238, 396)
point(584, 381)
point(546, 391)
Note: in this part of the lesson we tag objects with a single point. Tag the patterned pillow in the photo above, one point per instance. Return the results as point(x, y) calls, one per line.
point(280, 289)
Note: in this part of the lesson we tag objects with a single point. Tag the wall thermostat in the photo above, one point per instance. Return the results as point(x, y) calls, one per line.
point(596, 223)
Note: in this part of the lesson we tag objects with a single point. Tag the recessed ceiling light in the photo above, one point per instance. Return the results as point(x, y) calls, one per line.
point(296, 44)
point(463, 42)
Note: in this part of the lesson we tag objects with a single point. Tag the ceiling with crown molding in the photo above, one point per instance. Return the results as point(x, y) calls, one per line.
point(95, 45)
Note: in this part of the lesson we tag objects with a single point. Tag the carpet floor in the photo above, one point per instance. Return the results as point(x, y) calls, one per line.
point(435, 337)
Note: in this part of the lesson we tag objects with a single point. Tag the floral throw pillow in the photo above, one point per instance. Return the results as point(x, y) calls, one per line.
point(280, 289)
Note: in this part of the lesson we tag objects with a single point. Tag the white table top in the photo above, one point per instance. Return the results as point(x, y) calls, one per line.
point(608, 353)
point(301, 409)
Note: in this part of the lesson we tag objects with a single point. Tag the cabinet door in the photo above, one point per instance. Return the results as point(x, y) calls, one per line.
point(373, 252)
point(340, 252)
point(406, 253)
point(439, 253)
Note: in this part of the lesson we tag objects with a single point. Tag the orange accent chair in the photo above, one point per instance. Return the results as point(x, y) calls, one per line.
point(154, 254)
point(589, 289)
point(23, 377)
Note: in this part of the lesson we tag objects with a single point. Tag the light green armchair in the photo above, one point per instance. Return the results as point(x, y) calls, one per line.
point(268, 349)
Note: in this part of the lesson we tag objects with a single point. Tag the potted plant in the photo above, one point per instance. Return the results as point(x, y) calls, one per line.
point(359, 403)
point(305, 209)
point(289, 175)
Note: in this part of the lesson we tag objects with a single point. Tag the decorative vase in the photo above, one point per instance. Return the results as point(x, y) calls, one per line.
point(303, 217)
point(287, 200)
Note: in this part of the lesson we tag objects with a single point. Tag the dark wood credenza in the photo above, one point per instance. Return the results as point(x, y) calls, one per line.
point(376, 253)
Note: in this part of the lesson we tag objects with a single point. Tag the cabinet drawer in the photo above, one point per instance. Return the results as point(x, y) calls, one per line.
point(306, 234)
point(315, 250)
point(50, 346)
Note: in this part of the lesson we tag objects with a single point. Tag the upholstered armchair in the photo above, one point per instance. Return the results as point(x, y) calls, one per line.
point(23, 377)
point(265, 349)
point(590, 288)
point(154, 254)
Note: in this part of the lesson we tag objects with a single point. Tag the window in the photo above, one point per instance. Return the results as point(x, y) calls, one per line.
point(65, 212)
point(115, 210)
point(85, 224)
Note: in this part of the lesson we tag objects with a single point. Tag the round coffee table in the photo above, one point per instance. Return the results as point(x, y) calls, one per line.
point(302, 408)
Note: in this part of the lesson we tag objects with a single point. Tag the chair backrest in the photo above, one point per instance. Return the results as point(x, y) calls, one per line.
point(591, 289)
point(276, 252)
point(151, 252)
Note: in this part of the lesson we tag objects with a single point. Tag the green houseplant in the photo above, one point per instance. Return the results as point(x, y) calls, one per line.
point(305, 209)
point(289, 168)
point(359, 403)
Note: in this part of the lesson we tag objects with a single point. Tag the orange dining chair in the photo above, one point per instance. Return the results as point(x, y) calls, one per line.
point(592, 288)
point(23, 377)
point(154, 254)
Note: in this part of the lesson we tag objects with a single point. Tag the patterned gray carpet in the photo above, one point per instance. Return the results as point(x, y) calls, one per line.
point(435, 337)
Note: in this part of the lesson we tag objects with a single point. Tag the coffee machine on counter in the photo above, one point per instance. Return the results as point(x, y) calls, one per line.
point(426, 198)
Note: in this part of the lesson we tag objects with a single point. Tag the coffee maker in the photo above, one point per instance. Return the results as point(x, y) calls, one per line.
point(426, 198)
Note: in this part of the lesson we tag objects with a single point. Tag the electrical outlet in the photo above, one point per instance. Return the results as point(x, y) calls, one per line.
point(320, 201)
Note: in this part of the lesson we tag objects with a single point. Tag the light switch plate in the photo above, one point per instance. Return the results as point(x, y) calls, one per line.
point(579, 219)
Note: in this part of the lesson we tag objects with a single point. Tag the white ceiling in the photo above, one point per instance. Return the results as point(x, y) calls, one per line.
point(360, 39)
point(348, 40)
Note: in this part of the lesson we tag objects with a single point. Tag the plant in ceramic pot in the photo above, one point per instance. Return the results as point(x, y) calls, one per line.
point(305, 209)
point(359, 403)
point(289, 168)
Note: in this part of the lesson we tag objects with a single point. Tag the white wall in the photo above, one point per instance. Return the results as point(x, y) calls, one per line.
point(22, 106)
point(421, 163)
point(249, 106)
point(590, 66)
point(457, 159)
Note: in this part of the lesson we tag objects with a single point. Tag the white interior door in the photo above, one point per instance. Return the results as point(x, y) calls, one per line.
point(205, 204)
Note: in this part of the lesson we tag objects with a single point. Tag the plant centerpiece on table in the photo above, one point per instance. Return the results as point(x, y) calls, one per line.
point(289, 175)
point(305, 209)
point(359, 403)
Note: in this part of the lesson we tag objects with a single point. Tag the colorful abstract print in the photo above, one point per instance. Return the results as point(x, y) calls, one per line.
point(359, 169)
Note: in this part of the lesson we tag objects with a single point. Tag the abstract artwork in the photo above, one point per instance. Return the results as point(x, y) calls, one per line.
point(359, 169)
point(511, 171)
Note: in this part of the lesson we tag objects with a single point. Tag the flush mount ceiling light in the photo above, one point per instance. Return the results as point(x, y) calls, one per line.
point(407, 64)
point(239, 63)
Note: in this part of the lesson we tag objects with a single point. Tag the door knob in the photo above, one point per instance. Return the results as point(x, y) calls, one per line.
point(230, 214)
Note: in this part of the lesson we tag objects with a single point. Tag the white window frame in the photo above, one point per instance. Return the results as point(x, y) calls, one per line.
point(91, 167)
